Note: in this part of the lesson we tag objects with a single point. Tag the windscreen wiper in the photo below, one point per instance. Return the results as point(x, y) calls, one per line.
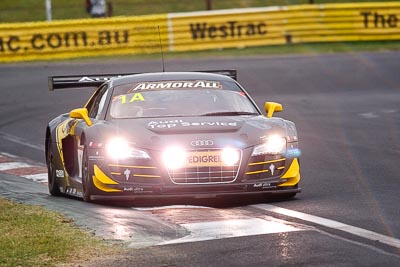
point(229, 113)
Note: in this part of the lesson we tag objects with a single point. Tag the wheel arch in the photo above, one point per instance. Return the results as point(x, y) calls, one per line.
point(46, 143)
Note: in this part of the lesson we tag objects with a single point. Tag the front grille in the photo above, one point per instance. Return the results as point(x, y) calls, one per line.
point(217, 174)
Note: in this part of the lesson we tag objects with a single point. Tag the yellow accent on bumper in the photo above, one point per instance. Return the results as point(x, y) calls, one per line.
point(100, 181)
point(146, 176)
point(134, 167)
point(255, 172)
point(292, 174)
point(266, 162)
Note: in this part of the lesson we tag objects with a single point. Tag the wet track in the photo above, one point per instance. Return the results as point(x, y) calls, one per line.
point(346, 109)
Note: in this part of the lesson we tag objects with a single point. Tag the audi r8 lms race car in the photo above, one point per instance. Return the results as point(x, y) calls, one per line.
point(169, 134)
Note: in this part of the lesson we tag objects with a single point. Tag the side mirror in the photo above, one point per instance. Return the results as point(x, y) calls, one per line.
point(271, 107)
point(81, 113)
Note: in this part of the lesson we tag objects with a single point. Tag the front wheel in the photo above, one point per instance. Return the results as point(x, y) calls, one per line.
point(86, 178)
point(51, 171)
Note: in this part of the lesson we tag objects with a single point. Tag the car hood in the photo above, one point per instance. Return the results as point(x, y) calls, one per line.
point(200, 132)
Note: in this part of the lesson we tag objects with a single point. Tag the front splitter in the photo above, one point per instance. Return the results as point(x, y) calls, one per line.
point(195, 195)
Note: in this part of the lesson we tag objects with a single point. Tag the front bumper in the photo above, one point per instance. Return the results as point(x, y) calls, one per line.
point(106, 188)
point(149, 180)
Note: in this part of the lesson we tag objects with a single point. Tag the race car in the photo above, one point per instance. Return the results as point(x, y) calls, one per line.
point(169, 134)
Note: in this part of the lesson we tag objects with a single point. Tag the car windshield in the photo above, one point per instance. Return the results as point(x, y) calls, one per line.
point(179, 99)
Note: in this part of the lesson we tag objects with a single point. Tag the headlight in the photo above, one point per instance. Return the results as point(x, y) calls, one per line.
point(274, 145)
point(230, 156)
point(174, 157)
point(119, 148)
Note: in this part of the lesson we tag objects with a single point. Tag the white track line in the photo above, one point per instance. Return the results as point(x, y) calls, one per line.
point(20, 141)
point(4, 154)
point(203, 231)
point(41, 177)
point(391, 241)
point(13, 165)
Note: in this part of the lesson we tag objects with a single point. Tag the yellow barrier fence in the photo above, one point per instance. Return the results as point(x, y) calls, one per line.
point(280, 25)
point(77, 38)
point(200, 30)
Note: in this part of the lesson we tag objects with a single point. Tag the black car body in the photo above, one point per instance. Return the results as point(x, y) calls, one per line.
point(194, 134)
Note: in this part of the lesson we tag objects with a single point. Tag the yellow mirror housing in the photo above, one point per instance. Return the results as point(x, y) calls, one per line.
point(271, 107)
point(81, 113)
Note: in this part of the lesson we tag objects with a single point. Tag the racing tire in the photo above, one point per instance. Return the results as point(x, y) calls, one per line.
point(54, 190)
point(86, 181)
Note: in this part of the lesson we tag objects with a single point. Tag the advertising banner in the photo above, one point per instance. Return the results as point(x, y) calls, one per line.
point(200, 30)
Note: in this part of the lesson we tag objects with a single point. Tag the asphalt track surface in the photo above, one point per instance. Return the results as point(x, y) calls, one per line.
point(346, 109)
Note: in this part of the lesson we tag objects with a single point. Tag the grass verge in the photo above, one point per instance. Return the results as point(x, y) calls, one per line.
point(34, 236)
point(35, 10)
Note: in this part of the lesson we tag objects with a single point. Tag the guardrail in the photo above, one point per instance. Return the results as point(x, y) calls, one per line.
point(200, 30)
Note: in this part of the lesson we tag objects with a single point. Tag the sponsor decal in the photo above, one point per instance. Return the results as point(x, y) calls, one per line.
point(96, 158)
point(94, 79)
point(202, 143)
point(138, 190)
point(73, 191)
point(135, 189)
point(95, 145)
point(176, 84)
point(41, 41)
point(135, 97)
point(59, 173)
point(264, 185)
point(272, 168)
point(204, 159)
point(379, 20)
point(227, 30)
point(127, 173)
point(182, 123)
